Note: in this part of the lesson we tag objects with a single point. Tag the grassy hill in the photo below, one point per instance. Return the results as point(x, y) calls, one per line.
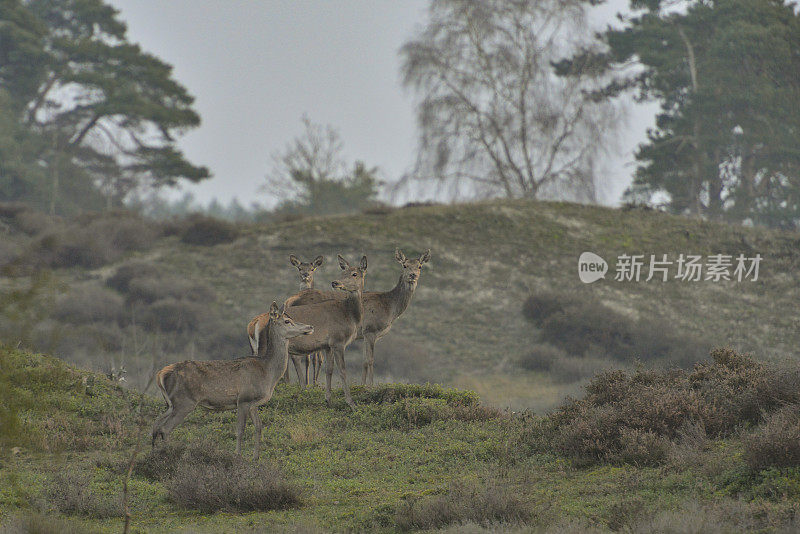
point(409, 458)
point(464, 327)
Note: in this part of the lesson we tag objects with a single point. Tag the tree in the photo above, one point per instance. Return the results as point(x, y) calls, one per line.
point(311, 176)
point(725, 73)
point(490, 110)
point(107, 112)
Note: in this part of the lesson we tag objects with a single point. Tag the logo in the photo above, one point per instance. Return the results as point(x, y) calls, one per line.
point(591, 267)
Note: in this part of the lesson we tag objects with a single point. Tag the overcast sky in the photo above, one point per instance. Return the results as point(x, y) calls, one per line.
point(257, 67)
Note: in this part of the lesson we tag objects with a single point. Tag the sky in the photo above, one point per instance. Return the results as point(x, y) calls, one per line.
point(256, 67)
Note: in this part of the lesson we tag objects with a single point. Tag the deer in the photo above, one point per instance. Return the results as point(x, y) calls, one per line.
point(306, 270)
point(381, 309)
point(243, 384)
point(336, 322)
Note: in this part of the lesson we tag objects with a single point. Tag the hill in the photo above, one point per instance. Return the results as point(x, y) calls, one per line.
point(464, 327)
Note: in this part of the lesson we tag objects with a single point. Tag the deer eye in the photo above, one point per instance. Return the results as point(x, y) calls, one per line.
point(355, 274)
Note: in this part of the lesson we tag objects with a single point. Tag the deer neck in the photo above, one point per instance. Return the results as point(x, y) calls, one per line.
point(276, 357)
point(306, 285)
point(354, 306)
point(400, 297)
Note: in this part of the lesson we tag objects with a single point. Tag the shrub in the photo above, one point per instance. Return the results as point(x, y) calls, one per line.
point(777, 442)
point(231, 484)
point(89, 304)
point(540, 306)
point(584, 326)
point(572, 369)
point(172, 315)
point(149, 290)
point(208, 231)
point(37, 523)
point(403, 360)
point(125, 274)
point(8, 252)
point(541, 357)
point(93, 241)
point(70, 493)
point(484, 504)
point(633, 417)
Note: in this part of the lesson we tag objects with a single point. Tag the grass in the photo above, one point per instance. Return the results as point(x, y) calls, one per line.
point(410, 456)
point(465, 317)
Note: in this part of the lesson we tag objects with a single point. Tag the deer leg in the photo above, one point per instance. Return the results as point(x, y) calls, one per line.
point(318, 361)
point(339, 352)
point(298, 366)
point(259, 426)
point(307, 361)
point(369, 359)
point(328, 376)
point(241, 421)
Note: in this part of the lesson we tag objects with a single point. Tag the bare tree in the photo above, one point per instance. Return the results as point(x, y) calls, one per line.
point(312, 157)
point(492, 113)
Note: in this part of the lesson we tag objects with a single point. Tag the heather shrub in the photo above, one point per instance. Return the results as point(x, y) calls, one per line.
point(93, 240)
point(149, 290)
point(172, 315)
point(584, 326)
point(126, 273)
point(89, 304)
point(634, 417)
point(70, 492)
point(207, 231)
point(541, 357)
point(485, 504)
point(221, 481)
point(776, 443)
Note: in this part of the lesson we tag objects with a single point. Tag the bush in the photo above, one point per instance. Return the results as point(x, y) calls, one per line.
point(70, 493)
point(149, 290)
point(402, 360)
point(633, 417)
point(541, 357)
point(93, 241)
point(33, 222)
point(207, 231)
point(36, 523)
point(89, 304)
point(777, 442)
point(584, 326)
point(125, 274)
point(210, 480)
point(572, 369)
point(484, 504)
point(172, 315)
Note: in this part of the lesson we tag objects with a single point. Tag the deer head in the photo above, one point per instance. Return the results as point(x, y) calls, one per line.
point(306, 269)
point(352, 278)
point(286, 327)
point(411, 267)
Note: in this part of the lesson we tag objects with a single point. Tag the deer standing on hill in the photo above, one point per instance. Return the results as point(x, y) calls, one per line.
point(336, 322)
point(243, 384)
point(306, 270)
point(381, 309)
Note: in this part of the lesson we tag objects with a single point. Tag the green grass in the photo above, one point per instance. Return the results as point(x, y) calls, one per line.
point(403, 444)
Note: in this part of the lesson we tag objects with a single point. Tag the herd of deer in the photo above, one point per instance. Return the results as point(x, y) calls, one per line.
point(312, 327)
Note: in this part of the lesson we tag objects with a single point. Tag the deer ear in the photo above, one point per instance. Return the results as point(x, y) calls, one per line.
point(399, 256)
point(425, 258)
point(273, 310)
point(318, 261)
point(363, 265)
point(293, 260)
point(342, 262)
